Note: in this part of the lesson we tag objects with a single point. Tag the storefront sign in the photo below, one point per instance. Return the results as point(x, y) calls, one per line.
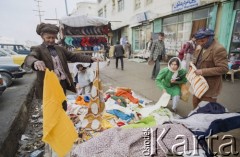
point(180, 5)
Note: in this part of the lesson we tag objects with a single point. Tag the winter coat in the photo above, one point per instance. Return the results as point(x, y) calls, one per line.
point(41, 53)
point(164, 78)
point(214, 64)
point(118, 51)
point(158, 48)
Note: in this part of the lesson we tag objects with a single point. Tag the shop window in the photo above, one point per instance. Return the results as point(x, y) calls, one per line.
point(187, 17)
point(120, 5)
point(137, 4)
point(235, 43)
point(170, 20)
point(178, 29)
point(201, 14)
point(141, 36)
point(100, 13)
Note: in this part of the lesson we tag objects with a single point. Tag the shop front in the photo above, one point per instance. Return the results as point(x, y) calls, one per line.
point(185, 19)
point(235, 37)
point(180, 27)
point(141, 35)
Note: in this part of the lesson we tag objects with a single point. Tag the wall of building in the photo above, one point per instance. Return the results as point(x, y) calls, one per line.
point(86, 8)
point(126, 21)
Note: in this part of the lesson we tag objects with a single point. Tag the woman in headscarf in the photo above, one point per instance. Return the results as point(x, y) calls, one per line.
point(54, 57)
point(170, 78)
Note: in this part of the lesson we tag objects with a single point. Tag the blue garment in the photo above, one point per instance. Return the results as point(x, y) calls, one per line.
point(121, 115)
point(211, 107)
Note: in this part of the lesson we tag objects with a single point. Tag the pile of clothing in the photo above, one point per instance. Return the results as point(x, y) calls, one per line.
point(89, 30)
point(126, 115)
point(85, 43)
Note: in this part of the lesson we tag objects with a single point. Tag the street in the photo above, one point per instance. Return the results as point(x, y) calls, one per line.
point(135, 76)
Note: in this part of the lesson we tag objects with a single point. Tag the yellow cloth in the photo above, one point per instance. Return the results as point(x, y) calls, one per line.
point(58, 129)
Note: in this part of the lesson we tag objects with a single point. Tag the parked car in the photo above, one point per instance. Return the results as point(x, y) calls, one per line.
point(8, 57)
point(17, 59)
point(2, 85)
point(20, 49)
point(10, 72)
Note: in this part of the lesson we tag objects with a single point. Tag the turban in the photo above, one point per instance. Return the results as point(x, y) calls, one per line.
point(203, 33)
point(46, 28)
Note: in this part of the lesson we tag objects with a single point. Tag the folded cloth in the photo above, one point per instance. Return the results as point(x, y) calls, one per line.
point(126, 94)
point(198, 83)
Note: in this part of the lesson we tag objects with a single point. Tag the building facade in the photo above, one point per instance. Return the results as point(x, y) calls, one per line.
point(140, 20)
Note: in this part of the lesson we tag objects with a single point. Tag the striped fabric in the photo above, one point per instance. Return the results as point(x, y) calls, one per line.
point(198, 83)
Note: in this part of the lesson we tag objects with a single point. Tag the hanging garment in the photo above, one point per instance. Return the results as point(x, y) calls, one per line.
point(58, 129)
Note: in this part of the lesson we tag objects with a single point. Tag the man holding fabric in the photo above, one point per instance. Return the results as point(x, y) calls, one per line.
point(211, 61)
point(157, 54)
point(54, 57)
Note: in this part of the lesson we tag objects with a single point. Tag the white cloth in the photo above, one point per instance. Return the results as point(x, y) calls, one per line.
point(83, 20)
point(162, 102)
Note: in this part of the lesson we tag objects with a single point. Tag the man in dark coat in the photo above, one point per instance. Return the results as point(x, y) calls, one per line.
point(54, 57)
point(119, 54)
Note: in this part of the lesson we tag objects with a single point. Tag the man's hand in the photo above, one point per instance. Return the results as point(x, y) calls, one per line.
point(198, 72)
point(39, 65)
point(95, 59)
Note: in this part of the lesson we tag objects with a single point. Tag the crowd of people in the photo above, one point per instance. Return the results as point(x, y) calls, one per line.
point(209, 57)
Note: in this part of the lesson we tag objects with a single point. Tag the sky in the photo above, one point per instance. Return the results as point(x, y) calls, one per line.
point(19, 21)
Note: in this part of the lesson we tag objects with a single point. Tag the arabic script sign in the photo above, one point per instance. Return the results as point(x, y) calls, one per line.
point(180, 5)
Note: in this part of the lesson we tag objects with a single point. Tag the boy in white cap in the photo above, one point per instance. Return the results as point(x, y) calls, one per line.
point(84, 79)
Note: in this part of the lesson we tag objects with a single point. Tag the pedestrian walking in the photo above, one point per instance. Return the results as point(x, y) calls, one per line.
point(170, 78)
point(54, 57)
point(157, 54)
point(119, 54)
point(210, 59)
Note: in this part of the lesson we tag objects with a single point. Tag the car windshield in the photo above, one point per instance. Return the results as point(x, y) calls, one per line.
point(11, 52)
point(3, 52)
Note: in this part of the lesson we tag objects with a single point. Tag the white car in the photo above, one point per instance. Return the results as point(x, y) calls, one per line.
point(10, 57)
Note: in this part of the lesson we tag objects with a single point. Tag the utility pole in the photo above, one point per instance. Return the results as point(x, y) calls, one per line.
point(66, 7)
point(39, 10)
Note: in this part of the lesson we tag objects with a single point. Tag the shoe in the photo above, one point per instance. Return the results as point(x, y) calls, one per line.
point(122, 69)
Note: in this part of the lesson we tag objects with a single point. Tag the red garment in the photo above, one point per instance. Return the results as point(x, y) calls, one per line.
point(126, 94)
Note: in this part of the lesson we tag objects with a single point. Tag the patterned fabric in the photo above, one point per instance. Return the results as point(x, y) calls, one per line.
point(198, 83)
point(119, 142)
point(158, 48)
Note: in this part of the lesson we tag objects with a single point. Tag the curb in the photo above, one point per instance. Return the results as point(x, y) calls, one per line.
point(9, 146)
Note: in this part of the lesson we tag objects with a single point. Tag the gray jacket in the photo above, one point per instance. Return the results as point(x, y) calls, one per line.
point(158, 48)
point(118, 51)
